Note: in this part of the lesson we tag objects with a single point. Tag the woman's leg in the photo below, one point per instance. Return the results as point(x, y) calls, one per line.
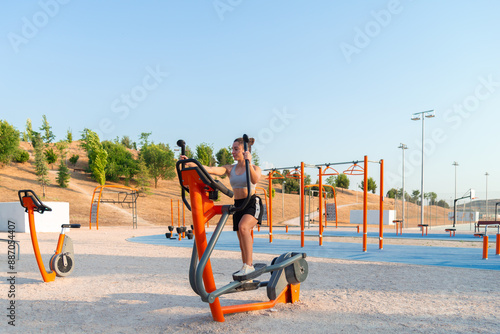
point(245, 227)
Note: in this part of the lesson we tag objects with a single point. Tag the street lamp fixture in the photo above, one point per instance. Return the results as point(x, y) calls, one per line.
point(416, 117)
point(403, 147)
point(486, 174)
point(455, 164)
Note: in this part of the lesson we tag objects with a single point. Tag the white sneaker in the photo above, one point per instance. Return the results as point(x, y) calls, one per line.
point(245, 270)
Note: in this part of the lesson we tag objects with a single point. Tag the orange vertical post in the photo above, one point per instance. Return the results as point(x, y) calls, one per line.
point(326, 215)
point(178, 213)
point(302, 210)
point(47, 276)
point(320, 199)
point(365, 204)
point(270, 211)
point(172, 210)
point(381, 208)
point(485, 247)
point(498, 245)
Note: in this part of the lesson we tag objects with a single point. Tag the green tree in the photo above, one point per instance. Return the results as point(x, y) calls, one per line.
point(415, 195)
point(330, 180)
point(342, 181)
point(48, 135)
point(63, 174)
point(224, 157)
point(144, 137)
point(431, 196)
point(28, 132)
point(372, 185)
point(9, 142)
point(120, 162)
point(160, 161)
point(126, 142)
point(69, 136)
point(392, 193)
point(143, 177)
point(255, 158)
point(97, 155)
point(50, 156)
point(41, 168)
point(205, 154)
point(442, 203)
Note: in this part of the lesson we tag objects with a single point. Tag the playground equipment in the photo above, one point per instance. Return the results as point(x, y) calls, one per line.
point(182, 232)
point(287, 270)
point(328, 211)
point(354, 169)
point(62, 262)
point(114, 195)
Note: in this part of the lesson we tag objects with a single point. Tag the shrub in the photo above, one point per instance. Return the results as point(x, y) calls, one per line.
point(21, 156)
point(51, 156)
point(74, 158)
point(9, 141)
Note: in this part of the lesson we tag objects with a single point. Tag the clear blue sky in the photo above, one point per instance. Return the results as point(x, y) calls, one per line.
point(313, 81)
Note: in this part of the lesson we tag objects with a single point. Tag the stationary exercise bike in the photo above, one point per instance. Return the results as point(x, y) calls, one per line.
point(287, 271)
point(62, 262)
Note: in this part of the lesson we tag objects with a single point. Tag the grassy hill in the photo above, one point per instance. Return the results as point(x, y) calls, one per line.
point(155, 208)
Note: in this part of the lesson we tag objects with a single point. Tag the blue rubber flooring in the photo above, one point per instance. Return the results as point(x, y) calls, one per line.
point(470, 258)
point(333, 232)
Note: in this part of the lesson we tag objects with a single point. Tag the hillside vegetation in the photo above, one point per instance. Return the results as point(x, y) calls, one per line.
point(155, 208)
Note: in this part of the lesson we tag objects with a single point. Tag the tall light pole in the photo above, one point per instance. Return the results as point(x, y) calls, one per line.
point(403, 147)
point(486, 174)
point(416, 117)
point(455, 164)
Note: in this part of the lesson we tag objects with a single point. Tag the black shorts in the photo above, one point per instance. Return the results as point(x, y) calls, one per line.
point(253, 208)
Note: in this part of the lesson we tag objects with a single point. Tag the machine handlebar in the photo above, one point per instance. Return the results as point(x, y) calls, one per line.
point(38, 205)
point(208, 180)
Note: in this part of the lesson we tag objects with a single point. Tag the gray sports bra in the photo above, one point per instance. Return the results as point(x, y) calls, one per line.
point(239, 181)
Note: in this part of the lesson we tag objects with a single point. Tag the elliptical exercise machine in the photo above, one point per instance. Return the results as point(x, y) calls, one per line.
point(62, 262)
point(287, 271)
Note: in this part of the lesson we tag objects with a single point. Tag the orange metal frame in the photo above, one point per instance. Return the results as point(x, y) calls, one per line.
point(270, 209)
point(203, 209)
point(267, 207)
point(47, 276)
point(99, 189)
point(321, 209)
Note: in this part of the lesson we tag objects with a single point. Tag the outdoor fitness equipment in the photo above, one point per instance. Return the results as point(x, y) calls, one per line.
point(287, 271)
point(62, 262)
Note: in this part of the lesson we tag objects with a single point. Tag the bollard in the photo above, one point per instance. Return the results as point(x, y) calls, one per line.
point(485, 247)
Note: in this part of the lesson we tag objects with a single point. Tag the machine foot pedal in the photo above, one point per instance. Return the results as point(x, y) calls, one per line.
point(259, 269)
point(248, 286)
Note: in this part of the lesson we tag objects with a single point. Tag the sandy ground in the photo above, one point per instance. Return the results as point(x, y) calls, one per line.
point(123, 287)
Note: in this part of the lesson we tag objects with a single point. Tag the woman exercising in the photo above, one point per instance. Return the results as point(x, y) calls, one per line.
point(245, 220)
